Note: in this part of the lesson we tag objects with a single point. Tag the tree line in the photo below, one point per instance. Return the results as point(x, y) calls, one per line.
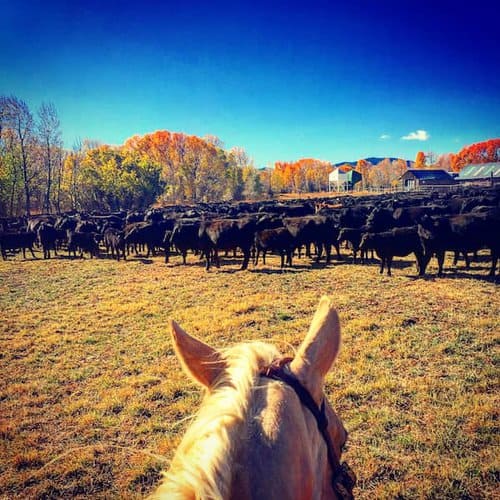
point(477, 153)
point(37, 174)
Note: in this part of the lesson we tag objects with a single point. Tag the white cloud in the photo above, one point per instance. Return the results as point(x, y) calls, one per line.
point(419, 135)
point(384, 137)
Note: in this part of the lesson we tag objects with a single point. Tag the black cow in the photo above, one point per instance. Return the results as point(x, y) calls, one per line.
point(84, 242)
point(35, 221)
point(66, 222)
point(86, 226)
point(460, 233)
point(277, 240)
point(380, 220)
point(114, 240)
point(228, 234)
point(17, 241)
point(320, 230)
point(353, 216)
point(385, 219)
point(353, 235)
point(410, 216)
point(144, 233)
point(185, 236)
point(400, 242)
point(48, 236)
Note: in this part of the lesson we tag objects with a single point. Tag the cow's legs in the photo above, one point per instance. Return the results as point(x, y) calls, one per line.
point(246, 258)
point(494, 261)
point(389, 264)
point(256, 257)
point(467, 260)
point(440, 259)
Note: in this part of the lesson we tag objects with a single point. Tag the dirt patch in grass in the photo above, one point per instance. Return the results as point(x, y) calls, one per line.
point(93, 401)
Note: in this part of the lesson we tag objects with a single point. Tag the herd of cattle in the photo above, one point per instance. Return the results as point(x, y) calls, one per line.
point(391, 225)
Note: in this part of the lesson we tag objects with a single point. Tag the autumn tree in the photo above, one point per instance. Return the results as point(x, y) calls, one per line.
point(420, 160)
point(237, 161)
point(265, 175)
point(194, 169)
point(444, 161)
point(51, 144)
point(430, 158)
point(19, 144)
point(10, 173)
point(480, 152)
point(363, 167)
point(113, 179)
point(399, 167)
point(304, 175)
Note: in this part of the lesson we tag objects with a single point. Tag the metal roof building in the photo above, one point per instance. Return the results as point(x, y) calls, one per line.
point(482, 173)
point(414, 178)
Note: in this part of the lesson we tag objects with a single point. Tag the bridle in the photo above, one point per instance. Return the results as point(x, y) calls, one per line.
point(343, 478)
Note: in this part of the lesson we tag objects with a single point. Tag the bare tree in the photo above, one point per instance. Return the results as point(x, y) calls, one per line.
point(50, 137)
point(59, 172)
point(214, 141)
point(17, 118)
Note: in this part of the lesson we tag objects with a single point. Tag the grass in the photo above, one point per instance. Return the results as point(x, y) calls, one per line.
point(93, 402)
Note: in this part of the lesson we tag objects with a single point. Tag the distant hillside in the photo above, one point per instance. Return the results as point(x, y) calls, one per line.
point(372, 159)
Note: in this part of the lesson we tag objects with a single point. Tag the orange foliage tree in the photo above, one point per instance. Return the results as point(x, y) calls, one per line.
point(420, 160)
point(193, 169)
point(304, 175)
point(480, 152)
point(363, 167)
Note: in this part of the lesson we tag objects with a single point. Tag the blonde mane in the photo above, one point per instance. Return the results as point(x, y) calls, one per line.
point(202, 465)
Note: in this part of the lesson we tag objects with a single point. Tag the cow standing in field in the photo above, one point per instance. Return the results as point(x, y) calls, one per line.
point(353, 236)
point(400, 242)
point(114, 240)
point(47, 235)
point(150, 234)
point(84, 242)
point(320, 230)
point(228, 234)
point(185, 236)
point(460, 233)
point(277, 240)
point(17, 241)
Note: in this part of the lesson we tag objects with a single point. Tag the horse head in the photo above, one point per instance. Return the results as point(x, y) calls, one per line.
point(265, 428)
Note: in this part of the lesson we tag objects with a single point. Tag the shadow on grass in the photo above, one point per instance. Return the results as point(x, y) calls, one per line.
point(277, 270)
point(470, 276)
point(187, 265)
point(455, 275)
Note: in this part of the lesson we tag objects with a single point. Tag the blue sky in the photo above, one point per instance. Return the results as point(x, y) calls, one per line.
point(330, 80)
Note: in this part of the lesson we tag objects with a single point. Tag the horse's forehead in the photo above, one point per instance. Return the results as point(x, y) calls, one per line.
point(274, 408)
point(279, 412)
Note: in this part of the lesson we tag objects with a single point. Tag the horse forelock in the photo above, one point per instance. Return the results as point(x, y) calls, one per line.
point(202, 466)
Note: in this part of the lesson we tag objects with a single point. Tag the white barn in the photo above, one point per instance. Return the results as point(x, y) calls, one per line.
point(340, 180)
point(337, 180)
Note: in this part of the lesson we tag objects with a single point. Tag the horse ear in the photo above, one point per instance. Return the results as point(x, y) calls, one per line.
point(202, 362)
point(319, 349)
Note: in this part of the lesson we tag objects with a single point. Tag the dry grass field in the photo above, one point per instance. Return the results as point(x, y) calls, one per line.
point(93, 401)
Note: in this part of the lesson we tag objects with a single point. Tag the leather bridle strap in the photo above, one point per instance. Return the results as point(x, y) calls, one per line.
point(343, 479)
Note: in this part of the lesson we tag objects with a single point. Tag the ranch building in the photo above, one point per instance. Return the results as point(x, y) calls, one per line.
point(483, 174)
point(417, 178)
point(339, 180)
